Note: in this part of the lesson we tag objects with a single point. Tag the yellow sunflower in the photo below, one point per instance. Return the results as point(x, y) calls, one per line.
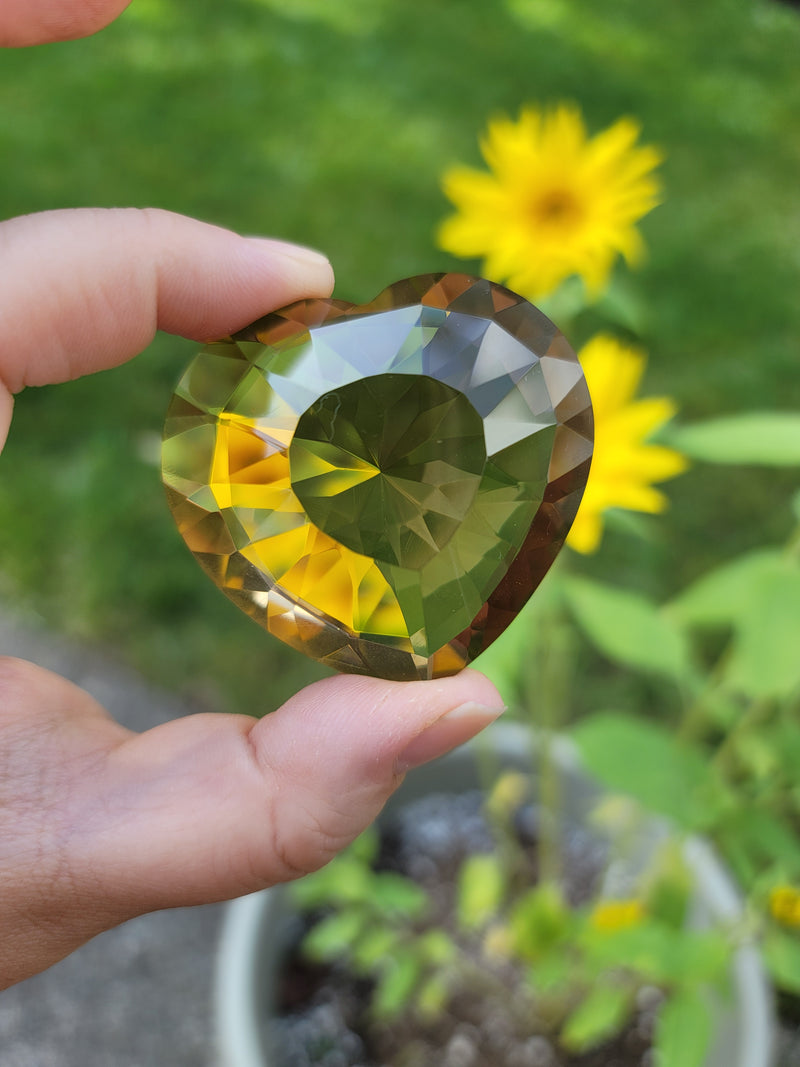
point(784, 905)
point(624, 465)
point(556, 202)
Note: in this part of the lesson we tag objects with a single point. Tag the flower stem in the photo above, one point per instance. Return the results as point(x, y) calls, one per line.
point(548, 691)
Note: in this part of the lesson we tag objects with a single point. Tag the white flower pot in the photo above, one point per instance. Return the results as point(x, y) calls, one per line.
point(249, 953)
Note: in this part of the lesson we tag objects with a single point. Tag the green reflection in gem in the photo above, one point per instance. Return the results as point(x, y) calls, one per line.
point(389, 465)
point(439, 601)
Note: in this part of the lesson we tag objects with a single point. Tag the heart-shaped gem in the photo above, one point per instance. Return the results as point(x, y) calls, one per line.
point(383, 486)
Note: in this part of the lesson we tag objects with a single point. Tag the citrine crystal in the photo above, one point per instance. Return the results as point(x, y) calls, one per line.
point(383, 486)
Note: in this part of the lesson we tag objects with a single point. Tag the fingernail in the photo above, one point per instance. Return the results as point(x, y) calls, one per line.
point(452, 729)
point(299, 253)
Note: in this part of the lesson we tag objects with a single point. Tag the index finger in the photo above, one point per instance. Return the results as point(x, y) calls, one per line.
point(27, 22)
point(85, 290)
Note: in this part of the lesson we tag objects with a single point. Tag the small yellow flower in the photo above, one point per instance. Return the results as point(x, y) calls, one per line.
point(611, 915)
point(624, 465)
point(556, 202)
point(784, 905)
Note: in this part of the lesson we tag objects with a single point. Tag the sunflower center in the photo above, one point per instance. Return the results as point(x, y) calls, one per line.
point(556, 208)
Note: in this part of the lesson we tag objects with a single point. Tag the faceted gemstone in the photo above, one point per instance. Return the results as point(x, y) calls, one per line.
point(383, 486)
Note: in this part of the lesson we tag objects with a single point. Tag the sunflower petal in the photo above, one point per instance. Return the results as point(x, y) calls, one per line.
point(625, 464)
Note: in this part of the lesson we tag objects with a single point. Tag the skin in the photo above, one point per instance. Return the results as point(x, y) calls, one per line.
point(98, 824)
point(27, 22)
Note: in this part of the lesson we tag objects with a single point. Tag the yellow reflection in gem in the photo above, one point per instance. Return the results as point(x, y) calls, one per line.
point(248, 471)
point(251, 472)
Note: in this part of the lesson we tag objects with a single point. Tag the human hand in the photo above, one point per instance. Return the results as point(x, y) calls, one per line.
point(98, 824)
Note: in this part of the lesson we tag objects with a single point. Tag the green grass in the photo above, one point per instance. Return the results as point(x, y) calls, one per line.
point(331, 126)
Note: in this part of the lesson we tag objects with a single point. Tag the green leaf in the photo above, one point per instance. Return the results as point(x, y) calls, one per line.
point(722, 597)
point(393, 894)
point(552, 973)
point(683, 1030)
point(767, 837)
point(481, 889)
point(645, 949)
point(334, 936)
point(722, 709)
point(766, 438)
point(598, 1016)
point(660, 954)
point(396, 986)
point(365, 847)
point(668, 887)
point(668, 901)
point(738, 854)
point(629, 629)
point(700, 957)
point(345, 880)
point(432, 997)
point(436, 947)
point(539, 921)
point(782, 955)
point(756, 755)
point(641, 758)
point(765, 656)
point(373, 946)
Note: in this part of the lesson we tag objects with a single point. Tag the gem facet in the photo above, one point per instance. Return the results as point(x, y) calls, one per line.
point(383, 486)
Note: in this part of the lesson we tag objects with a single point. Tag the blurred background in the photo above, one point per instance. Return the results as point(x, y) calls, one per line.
point(330, 124)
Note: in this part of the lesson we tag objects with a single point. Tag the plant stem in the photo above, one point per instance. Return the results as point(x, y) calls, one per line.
point(695, 721)
point(547, 705)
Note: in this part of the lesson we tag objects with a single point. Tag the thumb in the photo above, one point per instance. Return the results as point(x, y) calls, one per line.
point(214, 806)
